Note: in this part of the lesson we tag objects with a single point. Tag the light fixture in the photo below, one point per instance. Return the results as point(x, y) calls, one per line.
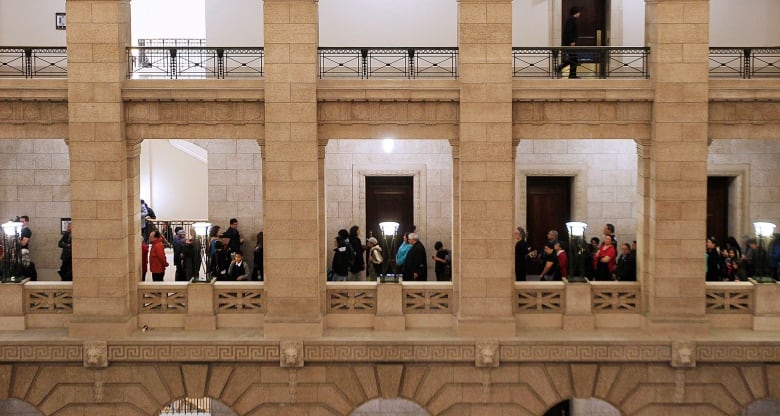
point(389, 230)
point(11, 253)
point(202, 231)
point(576, 251)
point(764, 231)
point(388, 145)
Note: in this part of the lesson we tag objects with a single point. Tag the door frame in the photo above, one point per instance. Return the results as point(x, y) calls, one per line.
point(579, 191)
point(739, 220)
point(613, 10)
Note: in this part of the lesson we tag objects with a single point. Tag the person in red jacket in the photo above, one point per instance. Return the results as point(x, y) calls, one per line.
point(604, 260)
point(157, 260)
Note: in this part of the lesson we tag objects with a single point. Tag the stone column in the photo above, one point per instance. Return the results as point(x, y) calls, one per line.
point(677, 33)
point(486, 168)
point(291, 196)
point(105, 224)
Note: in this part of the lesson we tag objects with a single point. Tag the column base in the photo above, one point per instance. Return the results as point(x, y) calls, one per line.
point(102, 327)
point(689, 326)
point(276, 328)
point(200, 323)
point(487, 327)
point(390, 323)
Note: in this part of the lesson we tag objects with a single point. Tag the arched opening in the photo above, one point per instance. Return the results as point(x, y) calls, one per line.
point(390, 407)
point(583, 407)
point(18, 408)
point(196, 406)
point(766, 407)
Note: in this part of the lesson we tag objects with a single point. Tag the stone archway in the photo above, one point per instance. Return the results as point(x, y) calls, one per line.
point(765, 407)
point(390, 407)
point(18, 408)
point(583, 407)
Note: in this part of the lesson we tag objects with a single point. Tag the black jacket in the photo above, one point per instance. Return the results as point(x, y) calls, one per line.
point(570, 32)
point(416, 262)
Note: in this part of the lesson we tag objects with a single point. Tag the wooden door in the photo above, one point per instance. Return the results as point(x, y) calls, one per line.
point(718, 208)
point(548, 208)
point(389, 198)
point(592, 22)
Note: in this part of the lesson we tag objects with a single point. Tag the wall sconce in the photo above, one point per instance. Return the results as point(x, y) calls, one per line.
point(576, 251)
point(764, 231)
point(202, 231)
point(11, 253)
point(389, 231)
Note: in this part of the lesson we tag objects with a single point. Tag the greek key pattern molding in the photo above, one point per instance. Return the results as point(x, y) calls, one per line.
point(318, 351)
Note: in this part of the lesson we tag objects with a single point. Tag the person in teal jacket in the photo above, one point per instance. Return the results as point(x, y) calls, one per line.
point(400, 257)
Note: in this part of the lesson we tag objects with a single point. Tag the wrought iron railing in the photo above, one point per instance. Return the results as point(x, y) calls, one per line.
point(388, 62)
point(194, 62)
point(33, 62)
point(744, 63)
point(188, 406)
point(594, 62)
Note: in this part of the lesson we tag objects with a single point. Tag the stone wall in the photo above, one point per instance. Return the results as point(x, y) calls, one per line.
point(35, 181)
point(348, 162)
point(604, 180)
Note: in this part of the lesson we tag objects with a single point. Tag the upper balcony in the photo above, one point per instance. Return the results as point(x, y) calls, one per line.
point(350, 63)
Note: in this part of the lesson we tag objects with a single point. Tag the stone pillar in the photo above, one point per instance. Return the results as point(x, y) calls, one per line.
point(486, 168)
point(105, 223)
point(291, 196)
point(677, 33)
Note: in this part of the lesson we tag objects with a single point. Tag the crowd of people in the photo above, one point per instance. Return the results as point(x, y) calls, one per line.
point(353, 261)
point(602, 261)
point(732, 264)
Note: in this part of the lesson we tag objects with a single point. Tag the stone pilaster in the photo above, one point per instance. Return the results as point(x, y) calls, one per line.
point(291, 170)
point(486, 170)
point(678, 35)
point(105, 223)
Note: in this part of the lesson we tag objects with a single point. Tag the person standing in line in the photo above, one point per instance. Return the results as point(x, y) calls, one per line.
point(191, 259)
point(442, 259)
point(178, 257)
point(604, 260)
point(569, 38)
point(233, 236)
point(374, 259)
point(257, 259)
point(238, 269)
point(563, 259)
point(551, 271)
point(400, 255)
point(157, 260)
point(358, 265)
point(339, 267)
point(26, 235)
point(66, 268)
point(416, 265)
point(522, 254)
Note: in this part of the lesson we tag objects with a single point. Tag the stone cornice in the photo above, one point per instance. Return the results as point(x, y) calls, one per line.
point(582, 90)
point(194, 90)
point(392, 351)
point(33, 90)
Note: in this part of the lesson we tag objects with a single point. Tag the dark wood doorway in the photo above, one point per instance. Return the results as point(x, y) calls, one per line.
point(548, 208)
point(718, 207)
point(389, 198)
point(592, 23)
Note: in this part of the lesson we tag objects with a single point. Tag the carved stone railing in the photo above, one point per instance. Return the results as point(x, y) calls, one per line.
point(759, 62)
point(239, 297)
point(544, 297)
point(48, 297)
point(33, 62)
point(428, 297)
point(607, 297)
point(730, 297)
point(349, 297)
point(162, 297)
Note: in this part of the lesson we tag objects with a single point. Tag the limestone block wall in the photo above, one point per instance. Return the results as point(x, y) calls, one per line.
point(755, 191)
point(35, 181)
point(348, 162)
point(235, 186)
point(604, 180)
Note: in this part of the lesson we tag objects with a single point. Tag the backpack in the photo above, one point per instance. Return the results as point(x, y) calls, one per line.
point(350, 255)
point(150, 213)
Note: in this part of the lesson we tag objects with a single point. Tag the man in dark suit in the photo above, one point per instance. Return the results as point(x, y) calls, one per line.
point(569, 38)
point(416, 265)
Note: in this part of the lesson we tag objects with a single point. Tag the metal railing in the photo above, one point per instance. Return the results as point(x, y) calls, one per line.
point(388, 63)
point(744, 63)
point(594, 61)
point(33, 62)
point(194, 62)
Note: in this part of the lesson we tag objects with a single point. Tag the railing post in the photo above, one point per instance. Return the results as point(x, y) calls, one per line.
point(220, 63)
point(389, 307)
point(12, 307)
point(364, 63)
point(411, 64)
point(200, 307)
point(766, 308)
point(746, 64)
point(28, 67)
point(604, 55)
point(554, 53)
point(172, 63)
point(579, 310)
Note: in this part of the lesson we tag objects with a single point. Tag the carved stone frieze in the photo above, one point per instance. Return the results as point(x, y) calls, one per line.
point(291, 354)
point(388, 352)
point(193, 352)
point(95, 354)
point(586, 352)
